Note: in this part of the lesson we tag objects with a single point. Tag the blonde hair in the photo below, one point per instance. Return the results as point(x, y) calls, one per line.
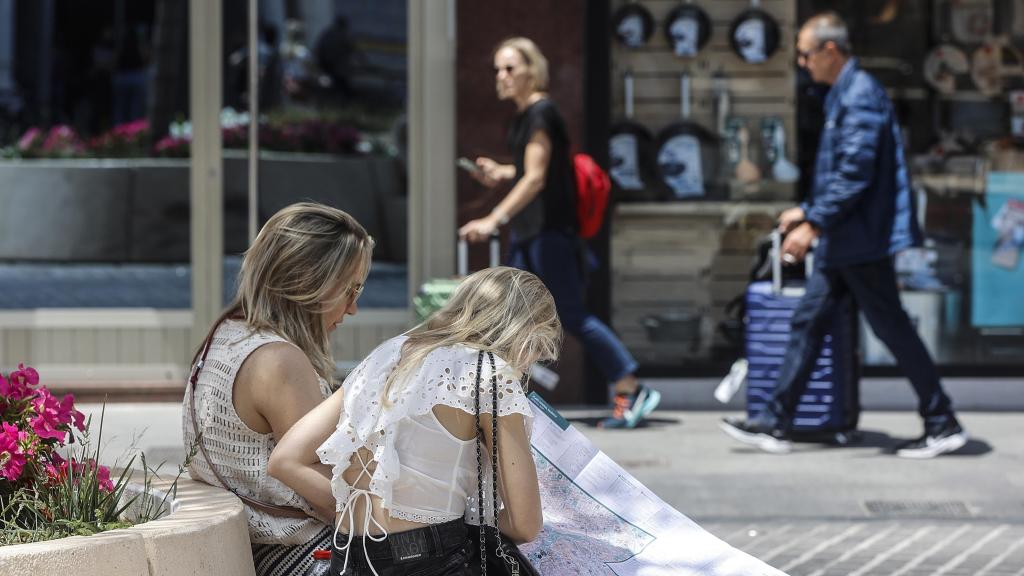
point(502, 310)
point(291, 275)
point(536, 63)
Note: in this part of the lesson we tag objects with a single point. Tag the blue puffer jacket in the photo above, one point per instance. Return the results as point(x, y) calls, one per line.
point(861, 200)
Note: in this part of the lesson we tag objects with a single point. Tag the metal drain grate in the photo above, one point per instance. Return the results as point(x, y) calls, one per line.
point(913, 509)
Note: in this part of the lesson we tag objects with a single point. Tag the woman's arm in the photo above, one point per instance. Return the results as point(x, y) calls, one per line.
point(294, 460)
point(522, 519)
point(274, 388)
point(535, 169)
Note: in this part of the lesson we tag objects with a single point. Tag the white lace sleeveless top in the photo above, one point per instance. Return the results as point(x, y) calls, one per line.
point(239, 453)
point(424, 473)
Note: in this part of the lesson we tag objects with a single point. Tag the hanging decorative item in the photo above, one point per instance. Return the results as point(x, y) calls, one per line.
point(992, 63)
point(942, 65)
point(754, 34)
point(630, 152)
point(687, 29)
point(632, 25)
point(746, 171)
point(687, 152)
point(971, 20)
point(783, 170)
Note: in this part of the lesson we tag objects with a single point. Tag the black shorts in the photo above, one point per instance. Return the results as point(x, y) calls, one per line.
point(436, 550)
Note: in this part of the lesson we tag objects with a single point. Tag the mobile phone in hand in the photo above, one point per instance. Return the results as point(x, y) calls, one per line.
point(468, 165)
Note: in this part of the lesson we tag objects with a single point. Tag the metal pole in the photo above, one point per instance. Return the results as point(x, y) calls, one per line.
point(207, 179)
point(254, 119)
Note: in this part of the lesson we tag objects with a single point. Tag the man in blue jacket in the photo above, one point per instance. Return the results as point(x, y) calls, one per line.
point(861, 213)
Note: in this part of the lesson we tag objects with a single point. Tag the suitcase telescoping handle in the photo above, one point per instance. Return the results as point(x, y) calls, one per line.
point(776, 257)
point(463, 254)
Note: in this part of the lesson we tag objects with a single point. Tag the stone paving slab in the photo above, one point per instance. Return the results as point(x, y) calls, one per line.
point(851, 548)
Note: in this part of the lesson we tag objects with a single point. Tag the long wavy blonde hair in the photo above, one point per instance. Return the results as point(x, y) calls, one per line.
point(304, 261)
point(502, 310)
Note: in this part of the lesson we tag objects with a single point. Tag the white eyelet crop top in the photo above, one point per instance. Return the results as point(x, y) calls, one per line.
point(424, 474)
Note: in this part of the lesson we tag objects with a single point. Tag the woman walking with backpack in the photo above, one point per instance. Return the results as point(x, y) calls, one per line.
point(540, 210)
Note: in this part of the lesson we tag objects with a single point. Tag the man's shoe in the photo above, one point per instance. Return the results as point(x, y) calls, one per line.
point(765, 437)
point(629, 409)
point(950, 438)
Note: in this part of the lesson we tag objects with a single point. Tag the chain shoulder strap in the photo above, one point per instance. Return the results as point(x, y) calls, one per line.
point(272, 509)
point(500, 550)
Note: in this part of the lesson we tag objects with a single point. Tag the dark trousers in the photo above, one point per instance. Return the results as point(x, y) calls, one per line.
point(873, 287)
point(555, 258)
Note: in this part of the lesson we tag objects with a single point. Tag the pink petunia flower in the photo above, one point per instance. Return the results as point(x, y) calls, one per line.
point(30, 375)
point(29, 139)
point(56, 469)
point(67, 414)
point(49, 415)
point(12, 454)
point(19, 383)
point(103, 478)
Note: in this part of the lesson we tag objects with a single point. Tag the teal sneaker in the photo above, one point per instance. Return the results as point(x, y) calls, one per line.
point(628, 410)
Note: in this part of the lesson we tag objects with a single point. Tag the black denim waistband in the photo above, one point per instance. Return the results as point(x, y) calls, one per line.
point(426, 542)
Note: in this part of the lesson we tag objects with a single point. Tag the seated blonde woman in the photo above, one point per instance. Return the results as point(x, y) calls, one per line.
point(266, 363)
point(395, 451)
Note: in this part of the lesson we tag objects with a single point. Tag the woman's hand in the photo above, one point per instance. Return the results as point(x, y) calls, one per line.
point(479, 230)
point(492, 173)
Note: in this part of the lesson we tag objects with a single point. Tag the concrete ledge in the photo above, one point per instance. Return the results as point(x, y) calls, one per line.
point(206, 533)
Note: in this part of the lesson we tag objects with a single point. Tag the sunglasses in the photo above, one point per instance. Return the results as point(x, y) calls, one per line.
point(804, 55)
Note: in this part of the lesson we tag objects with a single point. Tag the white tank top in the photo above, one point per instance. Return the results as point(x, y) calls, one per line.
point(240, 453)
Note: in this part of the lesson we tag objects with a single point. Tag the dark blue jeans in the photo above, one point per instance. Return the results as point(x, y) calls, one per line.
point(555, 258)
point(873, 287)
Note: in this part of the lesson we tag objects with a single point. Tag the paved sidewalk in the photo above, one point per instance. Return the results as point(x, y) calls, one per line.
point(821, 510)
point(839, 511)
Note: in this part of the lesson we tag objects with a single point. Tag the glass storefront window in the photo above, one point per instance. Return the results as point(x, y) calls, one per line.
point(96, 201)
point(332, 121)
point(94, 102)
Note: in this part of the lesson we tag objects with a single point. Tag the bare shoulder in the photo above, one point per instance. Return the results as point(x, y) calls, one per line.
point(275, 386)
point(278, 364)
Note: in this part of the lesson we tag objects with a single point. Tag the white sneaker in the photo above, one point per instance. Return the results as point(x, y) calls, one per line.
point(764, 438)
point(949, 439)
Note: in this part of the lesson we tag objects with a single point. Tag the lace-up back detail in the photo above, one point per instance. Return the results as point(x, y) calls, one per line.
point(423, 473)
point(240, 453)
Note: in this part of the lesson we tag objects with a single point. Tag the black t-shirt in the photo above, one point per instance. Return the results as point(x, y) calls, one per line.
point(554, 208)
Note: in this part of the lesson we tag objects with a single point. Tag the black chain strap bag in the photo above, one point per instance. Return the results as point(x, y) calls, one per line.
point(489, 550)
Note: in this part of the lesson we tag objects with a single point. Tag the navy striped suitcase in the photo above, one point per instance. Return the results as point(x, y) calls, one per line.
point(830, 406)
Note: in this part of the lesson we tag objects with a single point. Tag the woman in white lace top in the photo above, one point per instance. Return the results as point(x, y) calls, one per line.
point(400, 437)
point(266, 363)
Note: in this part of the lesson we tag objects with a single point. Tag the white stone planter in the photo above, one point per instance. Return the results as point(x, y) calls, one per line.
point(206, 533)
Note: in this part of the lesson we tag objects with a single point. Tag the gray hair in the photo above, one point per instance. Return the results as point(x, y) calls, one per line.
point(830, 27)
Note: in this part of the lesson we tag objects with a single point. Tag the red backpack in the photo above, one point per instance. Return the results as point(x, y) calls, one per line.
point(592, 188)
